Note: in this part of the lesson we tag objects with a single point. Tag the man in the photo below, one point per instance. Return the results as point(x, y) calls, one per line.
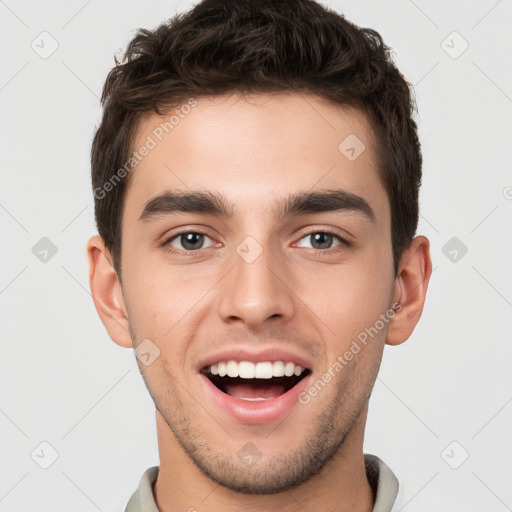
point(256, 177)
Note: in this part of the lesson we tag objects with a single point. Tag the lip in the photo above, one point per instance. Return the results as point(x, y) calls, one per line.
point(255, 413)
point(246, 354)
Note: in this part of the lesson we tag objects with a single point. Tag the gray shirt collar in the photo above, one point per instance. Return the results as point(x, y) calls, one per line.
point(382, 481)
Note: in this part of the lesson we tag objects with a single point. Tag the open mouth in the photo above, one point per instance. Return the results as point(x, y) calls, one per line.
point(255, 382)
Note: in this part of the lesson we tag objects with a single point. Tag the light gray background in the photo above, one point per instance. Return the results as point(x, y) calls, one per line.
point(63, 381)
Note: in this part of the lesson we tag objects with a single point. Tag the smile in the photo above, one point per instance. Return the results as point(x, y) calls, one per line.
point(255, 393)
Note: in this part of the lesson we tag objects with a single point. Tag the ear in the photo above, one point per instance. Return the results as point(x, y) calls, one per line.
point(410, 289)
point(107, 293)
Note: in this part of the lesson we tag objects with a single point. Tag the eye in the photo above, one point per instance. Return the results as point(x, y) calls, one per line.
point(188, 240)
point(323, 240)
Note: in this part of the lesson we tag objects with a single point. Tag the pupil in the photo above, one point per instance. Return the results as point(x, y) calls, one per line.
point(320, 238)
point(190, 239)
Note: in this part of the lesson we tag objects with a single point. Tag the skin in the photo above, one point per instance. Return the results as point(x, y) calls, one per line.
point(255, 151)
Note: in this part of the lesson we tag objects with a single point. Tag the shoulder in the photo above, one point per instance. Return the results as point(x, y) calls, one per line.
point(142, 499)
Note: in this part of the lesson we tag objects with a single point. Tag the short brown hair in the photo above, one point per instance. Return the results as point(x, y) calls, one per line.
point(257, 46)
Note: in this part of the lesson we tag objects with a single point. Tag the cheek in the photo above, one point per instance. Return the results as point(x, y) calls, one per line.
point(349, 299)
point(164, 303)
point(160, 295)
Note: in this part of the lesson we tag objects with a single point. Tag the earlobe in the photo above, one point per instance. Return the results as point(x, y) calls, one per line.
point(107, 292)
point(410, 290)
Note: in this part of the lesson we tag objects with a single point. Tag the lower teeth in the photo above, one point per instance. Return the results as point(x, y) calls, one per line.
point(256, 399)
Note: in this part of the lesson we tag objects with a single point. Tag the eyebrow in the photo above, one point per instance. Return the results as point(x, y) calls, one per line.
point(296, 204)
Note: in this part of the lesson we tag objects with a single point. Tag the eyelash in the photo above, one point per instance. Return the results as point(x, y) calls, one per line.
point(177, 252)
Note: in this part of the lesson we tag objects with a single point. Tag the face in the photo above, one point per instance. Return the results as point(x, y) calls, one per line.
point(270, 254)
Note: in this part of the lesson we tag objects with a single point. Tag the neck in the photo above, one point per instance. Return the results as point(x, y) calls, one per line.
point(341, 486)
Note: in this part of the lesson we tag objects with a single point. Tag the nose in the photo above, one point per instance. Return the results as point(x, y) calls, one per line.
point(257, 291)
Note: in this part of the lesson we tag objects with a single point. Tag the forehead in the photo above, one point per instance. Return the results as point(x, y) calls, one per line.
point(256, 150)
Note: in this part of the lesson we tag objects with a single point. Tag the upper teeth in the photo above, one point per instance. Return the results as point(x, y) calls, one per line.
point(248, 370)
